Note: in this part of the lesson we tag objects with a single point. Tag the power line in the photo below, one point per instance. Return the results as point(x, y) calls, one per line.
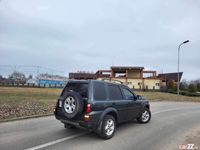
point(35, 69)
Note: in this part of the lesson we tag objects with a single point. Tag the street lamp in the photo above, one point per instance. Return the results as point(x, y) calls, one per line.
point(178, 64)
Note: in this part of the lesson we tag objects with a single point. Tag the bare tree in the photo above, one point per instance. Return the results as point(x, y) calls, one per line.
point(184, 85)
point(17, 78)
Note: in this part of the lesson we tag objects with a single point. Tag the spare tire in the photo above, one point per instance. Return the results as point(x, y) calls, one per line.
point(72, 104)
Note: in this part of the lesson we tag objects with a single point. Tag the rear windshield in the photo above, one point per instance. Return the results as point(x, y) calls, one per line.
point(81, 88)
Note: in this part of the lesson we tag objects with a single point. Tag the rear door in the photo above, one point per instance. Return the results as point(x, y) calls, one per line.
point(107, 95)
point(99, 95)
point(135, 107)
point(116, 100)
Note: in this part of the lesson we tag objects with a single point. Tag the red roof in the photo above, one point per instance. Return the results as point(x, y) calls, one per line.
point(170, 76)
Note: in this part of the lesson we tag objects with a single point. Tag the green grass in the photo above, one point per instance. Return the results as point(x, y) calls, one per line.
point(20, 102)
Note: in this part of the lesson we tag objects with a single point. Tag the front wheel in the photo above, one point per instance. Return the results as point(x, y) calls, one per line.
point(108, 127)
point(145, 116)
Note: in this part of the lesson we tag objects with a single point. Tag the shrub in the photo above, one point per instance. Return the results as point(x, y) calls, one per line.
point(171, 84)
point(198, 86)
point(183, 92)
point(192, 88)
point(172, 91)
point(193, 94)
point(183, 86)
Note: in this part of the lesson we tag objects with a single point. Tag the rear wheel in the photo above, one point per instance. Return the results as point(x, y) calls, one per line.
point(145, 116)
point(108, 127)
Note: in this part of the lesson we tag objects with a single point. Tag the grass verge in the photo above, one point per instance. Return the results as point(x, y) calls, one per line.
point(162, 96)
point(20, 103)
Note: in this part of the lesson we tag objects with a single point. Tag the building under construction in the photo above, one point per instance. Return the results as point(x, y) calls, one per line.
point(134, 77)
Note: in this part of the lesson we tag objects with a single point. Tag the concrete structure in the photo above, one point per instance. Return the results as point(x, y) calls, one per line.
point(134, 77)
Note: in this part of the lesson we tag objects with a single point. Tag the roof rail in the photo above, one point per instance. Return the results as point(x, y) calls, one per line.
point(112, 81)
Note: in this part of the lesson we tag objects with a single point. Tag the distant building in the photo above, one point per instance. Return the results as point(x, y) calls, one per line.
point(134, 77)
point(82, 76)
point(47, 81)
point(166, 77)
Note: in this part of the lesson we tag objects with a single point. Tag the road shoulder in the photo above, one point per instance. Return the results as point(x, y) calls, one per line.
point(190, 140)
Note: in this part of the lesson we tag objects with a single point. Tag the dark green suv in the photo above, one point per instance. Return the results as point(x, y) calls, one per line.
point(99, 106)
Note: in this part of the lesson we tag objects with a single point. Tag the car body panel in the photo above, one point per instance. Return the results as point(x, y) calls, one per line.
point(123, 109)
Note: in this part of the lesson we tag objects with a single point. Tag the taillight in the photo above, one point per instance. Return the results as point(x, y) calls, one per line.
point(88, 108)
point(56, 106)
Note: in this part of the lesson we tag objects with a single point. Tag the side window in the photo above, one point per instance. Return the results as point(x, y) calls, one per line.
point(128, 95)
point(114, 92)
point(99, 91)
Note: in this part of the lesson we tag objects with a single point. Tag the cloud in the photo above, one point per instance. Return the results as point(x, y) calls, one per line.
point(90, 35)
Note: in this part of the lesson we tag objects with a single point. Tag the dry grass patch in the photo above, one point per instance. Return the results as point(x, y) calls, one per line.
point(18, 102)
point(22, 102)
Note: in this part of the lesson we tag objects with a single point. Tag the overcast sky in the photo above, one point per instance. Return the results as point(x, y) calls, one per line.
point(72, 35)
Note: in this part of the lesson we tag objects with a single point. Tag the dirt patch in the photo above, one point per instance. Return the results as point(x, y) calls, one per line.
point(24, 102)
point(194, 138)
point(191, 140)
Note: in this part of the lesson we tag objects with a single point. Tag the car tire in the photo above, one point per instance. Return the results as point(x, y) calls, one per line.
point(68, 126)
point(72, 104)
point(145, 116)
point(108, 126)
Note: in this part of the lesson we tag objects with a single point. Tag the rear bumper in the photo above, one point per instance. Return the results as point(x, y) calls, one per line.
point(91, 124)
point(77, 123)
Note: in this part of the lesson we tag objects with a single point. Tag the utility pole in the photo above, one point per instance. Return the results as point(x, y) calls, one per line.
point(179, 47)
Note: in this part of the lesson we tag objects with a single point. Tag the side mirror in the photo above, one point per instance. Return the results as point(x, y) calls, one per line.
point(139, 97)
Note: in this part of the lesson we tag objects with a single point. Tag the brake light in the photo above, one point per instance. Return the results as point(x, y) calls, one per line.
point(88, 108)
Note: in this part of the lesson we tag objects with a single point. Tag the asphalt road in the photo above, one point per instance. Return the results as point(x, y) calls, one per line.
point(170, 121)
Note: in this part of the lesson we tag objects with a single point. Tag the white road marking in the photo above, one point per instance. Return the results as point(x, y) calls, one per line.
point(78, 135)
point(56, 141)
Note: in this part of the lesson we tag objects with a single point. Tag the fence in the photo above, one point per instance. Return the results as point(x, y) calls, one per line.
point(33, 85)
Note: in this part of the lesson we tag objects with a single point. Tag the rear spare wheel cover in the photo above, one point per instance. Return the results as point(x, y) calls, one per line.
point(69, 104)
point(72, 104)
